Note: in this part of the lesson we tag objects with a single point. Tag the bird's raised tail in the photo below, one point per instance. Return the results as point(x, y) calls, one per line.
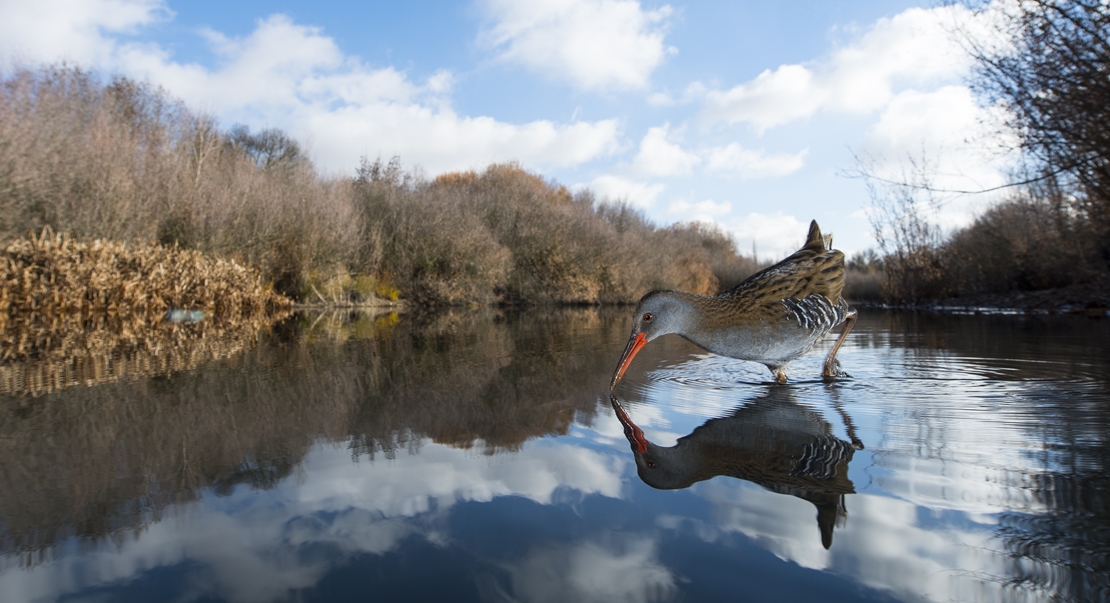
point(814, 241)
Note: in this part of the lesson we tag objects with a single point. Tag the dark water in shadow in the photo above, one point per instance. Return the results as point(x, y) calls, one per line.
point(477, 456)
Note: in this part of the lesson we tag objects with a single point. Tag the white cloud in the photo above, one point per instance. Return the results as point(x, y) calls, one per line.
point(771, 99)
point(746, 163)
point(440, 140)
point(774, 235)
point(658, 157)
point(914, 48)
point(700, 211)
point(71, 30)
point(593, 44)
point(617, 188)
point(947, 133)
point(264, 71)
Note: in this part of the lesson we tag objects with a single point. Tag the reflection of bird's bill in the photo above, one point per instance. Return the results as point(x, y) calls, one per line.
point(635, 342)
point(634, 434)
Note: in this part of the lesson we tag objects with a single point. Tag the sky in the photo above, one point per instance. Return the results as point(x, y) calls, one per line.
point(750, 115)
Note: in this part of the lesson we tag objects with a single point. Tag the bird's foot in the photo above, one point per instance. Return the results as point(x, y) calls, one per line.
point(832, 372)
point(780, 377)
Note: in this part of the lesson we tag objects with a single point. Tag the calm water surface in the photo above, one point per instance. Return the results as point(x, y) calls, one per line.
point(477, 456)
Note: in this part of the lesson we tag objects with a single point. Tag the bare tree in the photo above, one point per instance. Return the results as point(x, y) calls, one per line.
point(909, 240)
point(1050, 68)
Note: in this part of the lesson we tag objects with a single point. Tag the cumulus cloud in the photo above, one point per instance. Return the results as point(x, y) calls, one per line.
point(616, 188)
point(746, 163)
point(593, 44)
point(659, 157)
point(774, 236)
point(771, 99)
point(72, 30)
point(699, 211)
point(946, 134)
point(913, 48)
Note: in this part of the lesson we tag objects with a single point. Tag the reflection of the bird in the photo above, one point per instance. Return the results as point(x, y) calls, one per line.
point(772, 441)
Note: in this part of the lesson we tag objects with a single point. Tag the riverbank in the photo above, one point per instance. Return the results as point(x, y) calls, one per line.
point(1087, 299)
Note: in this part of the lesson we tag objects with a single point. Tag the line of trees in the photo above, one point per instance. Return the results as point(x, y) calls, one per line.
point(124, 161)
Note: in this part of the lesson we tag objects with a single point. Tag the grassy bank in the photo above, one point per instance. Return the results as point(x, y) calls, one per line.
point(123, 161)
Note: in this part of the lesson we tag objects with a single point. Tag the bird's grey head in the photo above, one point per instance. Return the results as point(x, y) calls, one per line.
point(657, 314)
point(664, 468)
point(658, 467)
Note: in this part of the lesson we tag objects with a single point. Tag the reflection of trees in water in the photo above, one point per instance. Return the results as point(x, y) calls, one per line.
point(998, 344)
point(1057, 529)
point(45, 354)
point(460, 378)
point(772, 441)
point(1065, 552)
point(99, 461)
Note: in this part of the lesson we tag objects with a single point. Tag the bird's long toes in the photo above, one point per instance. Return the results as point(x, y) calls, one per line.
point(834, 372)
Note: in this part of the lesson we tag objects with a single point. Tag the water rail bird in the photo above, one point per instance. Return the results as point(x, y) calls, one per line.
point(773, 317)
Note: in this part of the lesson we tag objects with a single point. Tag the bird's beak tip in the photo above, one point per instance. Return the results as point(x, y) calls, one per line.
point(637, 341)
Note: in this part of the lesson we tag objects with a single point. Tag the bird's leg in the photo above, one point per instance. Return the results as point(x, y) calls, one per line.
point(849, 425)
point(780, 376)
point(830, 372)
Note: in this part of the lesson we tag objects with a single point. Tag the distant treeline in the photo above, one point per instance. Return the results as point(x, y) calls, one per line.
point(124, 161)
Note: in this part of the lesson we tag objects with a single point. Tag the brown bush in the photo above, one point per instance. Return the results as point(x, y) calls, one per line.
point(863, 277)
point(1026, 244)
point(509, 236)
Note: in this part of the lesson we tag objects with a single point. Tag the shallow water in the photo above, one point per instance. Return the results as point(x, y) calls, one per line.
point(477, 456)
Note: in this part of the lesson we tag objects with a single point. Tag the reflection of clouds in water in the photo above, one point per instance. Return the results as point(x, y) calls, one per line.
point(974, 453)
point(250, 546)
point(883, 544)
point(439, 476)
point(620, 569)
point(782, 524)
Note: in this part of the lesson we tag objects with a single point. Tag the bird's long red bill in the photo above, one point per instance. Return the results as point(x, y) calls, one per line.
point(634, 344)
point(634, 434)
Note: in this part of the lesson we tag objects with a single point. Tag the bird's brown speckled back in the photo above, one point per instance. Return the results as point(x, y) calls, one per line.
point(813, 269)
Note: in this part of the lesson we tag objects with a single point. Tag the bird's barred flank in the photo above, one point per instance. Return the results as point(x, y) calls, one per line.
point(816, 312)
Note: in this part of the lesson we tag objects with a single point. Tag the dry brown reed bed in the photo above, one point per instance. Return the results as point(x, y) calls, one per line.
point(53, 273)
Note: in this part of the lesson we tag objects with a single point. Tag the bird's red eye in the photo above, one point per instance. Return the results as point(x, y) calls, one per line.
point(648, 317)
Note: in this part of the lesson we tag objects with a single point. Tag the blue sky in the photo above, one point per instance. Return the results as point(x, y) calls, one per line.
point(746, 114)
